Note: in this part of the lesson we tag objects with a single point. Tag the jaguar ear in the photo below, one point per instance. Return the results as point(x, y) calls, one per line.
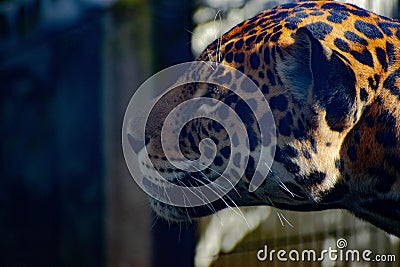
point(294, 65)
point(314, 72)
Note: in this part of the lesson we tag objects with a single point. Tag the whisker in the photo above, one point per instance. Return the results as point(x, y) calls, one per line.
point(277, 213)
point(221, 175)
point(239, 212)
point(280, 214)
point(204, 198)
point(268, 166)
point(184, 202)
point(203, 42)
point(166, 194)
point(155, 219)
point(189, 31)
point(208, 64)
point(282, 184)
point(190, 41)
point(208, 180)
point(280, 219)
point(186, 197)
point(219, 42)
point(180, 231)
point(210, 58)
point(209, 205)
point(291, 225)
point(284, 187)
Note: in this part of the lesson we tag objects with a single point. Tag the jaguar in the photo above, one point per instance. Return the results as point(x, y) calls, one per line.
point(330, 72)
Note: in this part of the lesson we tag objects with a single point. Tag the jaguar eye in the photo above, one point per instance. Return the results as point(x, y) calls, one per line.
point(213, 89)
point(210, 90)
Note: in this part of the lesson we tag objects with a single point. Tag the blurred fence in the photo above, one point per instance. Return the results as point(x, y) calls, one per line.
point(51, 186)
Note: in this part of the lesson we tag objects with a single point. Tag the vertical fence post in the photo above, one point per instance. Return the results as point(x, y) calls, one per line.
point(172, 244)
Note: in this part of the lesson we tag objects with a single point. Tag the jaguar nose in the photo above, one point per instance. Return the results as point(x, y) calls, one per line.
point(136, 143)
point(136, 137)
point(136, 127)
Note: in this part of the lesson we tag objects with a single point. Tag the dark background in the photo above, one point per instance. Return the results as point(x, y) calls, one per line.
point(67, 71)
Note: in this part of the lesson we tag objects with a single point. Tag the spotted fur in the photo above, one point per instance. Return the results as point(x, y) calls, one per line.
point(331, 74)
